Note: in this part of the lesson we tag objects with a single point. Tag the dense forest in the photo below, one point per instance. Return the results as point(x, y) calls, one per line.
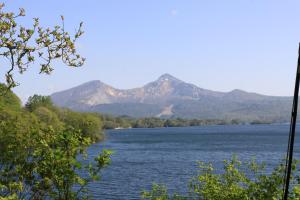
point(40, 145)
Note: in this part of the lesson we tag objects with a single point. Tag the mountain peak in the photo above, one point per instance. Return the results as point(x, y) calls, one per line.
point(168, 77)
point(94, 82)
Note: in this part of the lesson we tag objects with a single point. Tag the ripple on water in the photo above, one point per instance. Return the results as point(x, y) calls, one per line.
point(170, 155)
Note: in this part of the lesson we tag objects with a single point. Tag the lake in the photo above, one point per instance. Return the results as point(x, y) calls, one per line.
point(169, 155)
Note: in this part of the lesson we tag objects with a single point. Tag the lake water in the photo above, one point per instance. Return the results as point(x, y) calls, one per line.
point(169, 155)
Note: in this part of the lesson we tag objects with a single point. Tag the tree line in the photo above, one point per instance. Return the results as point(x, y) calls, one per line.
point(111, 122)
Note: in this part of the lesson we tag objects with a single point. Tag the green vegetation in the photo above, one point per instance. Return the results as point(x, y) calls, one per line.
point(22, 46)
point(38, 101)
point(11, 101)
point(43, 150)
point(238, 181)
point(42, 107)
point(89, 123)
point(110, 122)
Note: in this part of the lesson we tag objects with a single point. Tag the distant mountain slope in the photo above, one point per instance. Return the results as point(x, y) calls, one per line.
point(171, 97)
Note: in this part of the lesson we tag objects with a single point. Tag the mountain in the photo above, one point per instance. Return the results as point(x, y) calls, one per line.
point(171, 97)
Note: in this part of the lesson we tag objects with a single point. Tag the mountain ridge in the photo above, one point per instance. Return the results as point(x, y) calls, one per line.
point(169, 96)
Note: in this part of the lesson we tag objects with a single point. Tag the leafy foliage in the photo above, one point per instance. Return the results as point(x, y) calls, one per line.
point(9, 99)
point(238, 181)
point(43, 156)
point(22, 46)
point(48, 118)
point(89, 123)
point(36, 101)
point(160, 192)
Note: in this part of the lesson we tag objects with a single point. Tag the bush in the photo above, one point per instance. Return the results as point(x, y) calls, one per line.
point(238, 181)
point(43, 157)
point(160, 192)
point(89, 123)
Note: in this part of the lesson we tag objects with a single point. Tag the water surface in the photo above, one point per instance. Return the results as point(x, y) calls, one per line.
point(170, 155)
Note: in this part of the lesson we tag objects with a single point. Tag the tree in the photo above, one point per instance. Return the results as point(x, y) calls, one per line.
point(43, 157)
point(48, 118)
point(9, 99)
point(37, 159)
point(88, 123)
point(22, 46)
point(41, 163)
point(36, 101)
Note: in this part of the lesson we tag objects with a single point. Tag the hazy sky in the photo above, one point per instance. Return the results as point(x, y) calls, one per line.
point(219, 45)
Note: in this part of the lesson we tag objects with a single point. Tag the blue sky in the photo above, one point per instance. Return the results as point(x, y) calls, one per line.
point(219, 45)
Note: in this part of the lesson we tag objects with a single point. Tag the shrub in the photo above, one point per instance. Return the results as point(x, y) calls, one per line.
point(238, 181)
